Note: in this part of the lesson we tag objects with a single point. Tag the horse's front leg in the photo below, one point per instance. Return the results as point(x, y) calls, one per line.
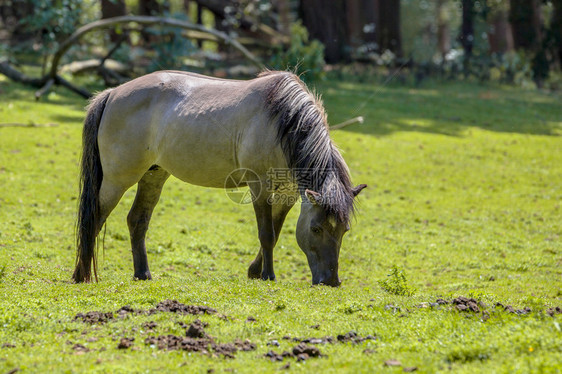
point(279, 211)
point(266, 234)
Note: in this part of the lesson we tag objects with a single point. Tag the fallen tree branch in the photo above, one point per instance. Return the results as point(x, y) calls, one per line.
point(16, 124)
point(43, 83)
point(347, 123)
point(146, 20)
point(44, 89)
point(17, 76)
point(80, 91)
point(52, 77)
point(78, 67)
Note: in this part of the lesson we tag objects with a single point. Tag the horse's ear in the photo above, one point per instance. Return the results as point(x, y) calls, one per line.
point(358, 189)
point(313, 197)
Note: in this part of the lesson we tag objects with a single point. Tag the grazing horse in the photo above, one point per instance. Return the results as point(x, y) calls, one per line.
point(207, 132)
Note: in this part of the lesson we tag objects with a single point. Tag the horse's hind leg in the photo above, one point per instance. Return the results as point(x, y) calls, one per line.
point(148, 194)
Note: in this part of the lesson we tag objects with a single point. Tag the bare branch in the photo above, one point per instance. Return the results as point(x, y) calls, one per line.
point(44, 89)
point(146, 20)
point(347, 123)
point(28, 125)
point(17, 76)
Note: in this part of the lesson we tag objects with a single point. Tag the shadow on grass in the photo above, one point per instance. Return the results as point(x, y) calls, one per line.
point(448, 109)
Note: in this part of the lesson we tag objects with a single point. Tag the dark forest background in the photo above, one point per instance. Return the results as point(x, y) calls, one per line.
point(509, 41)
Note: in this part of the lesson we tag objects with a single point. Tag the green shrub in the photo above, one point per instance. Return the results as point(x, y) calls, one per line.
point(396, 283)
point(304, 57)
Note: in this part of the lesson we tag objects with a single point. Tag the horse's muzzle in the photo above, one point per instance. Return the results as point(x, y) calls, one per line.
point(333, 282)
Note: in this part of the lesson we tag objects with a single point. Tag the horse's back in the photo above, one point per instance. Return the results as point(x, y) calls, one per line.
point(198, 128)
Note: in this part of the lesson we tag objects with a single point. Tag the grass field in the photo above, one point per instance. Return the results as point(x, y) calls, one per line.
point(464, 197)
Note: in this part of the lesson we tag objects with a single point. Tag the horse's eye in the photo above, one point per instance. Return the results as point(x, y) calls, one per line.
point(316, 229)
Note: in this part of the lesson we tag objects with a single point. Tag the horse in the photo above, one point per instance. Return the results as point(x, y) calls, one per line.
point(205, 130)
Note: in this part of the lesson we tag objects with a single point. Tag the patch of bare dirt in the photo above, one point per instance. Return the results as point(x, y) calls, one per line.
point(125, 343)
point(150, 325)
point(464, 304)
point(197, 329)
point(174, 342)
point(94, 317)
point(324, 340)
point(197, 340)
point(301, 352)
point(510, 309)
point(80, 349)
point(354, 338)
point(125, 310)
point(553, 311)
point(174, 306)
point(348, 337)
point(205, 345)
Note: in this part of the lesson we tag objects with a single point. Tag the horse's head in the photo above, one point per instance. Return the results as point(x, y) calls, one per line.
point(319, 235)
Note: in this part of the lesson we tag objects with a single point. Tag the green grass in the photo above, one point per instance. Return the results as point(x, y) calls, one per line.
point(464, 197)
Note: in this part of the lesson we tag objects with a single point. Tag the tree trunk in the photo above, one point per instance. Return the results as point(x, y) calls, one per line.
point(149, 8)
point(443, 29)
point(556, 30)
point(354, 23)
point(526, 24)
point(113, 8)
point(500, 35)
point(523, 24)
point(370, 12)
point(10, 15)
point(326, 21)
point(388, 35)
point(467, 28)
point(284, 10)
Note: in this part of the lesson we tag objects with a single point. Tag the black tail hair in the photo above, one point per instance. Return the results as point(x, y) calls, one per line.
point(91, 175)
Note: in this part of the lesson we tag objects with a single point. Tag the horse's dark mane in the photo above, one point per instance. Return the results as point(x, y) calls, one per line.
point(302, 132)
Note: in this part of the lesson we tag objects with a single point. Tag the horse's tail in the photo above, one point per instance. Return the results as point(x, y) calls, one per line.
point(88, 223)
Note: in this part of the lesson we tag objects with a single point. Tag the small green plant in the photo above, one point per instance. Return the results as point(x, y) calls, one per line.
point(396, 283)
point(304, 57)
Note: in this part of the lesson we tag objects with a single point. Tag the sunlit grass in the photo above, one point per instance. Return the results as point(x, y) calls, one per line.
point(465, 193)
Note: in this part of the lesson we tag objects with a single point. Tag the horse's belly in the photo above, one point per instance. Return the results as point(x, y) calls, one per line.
point(204, 171)
point(198, 159)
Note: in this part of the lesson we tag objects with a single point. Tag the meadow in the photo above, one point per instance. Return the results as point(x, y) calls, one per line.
point(463, 201)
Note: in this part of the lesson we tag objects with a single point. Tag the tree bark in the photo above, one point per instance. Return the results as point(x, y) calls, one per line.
point(443, 29)
point(500, 35)
point(524, 26)
point(355, 23)
point(370, 12)
point(467, 27)
point(113, 8)
point(556, 30)
point(10, 15)
point(389, 36)
point(326, 21)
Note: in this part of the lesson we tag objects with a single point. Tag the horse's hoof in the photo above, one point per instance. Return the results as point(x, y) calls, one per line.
point(267, 277)
point(143, 276)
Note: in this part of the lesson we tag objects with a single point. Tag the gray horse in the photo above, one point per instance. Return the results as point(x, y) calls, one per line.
point(204, 131)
